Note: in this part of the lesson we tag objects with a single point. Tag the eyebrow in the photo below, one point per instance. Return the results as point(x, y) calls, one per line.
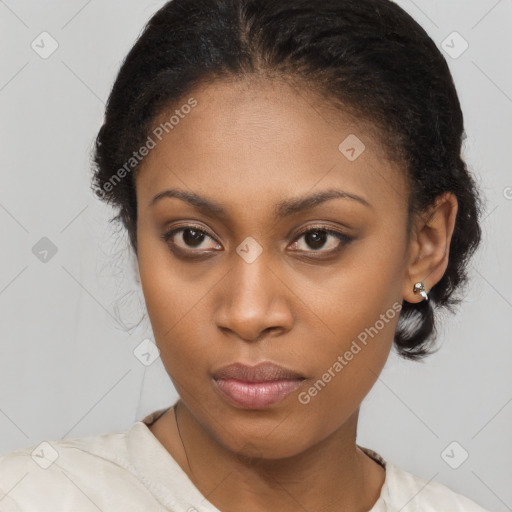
point(282, 209)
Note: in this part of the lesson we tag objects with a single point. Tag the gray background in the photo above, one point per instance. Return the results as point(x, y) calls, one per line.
point(67, 365)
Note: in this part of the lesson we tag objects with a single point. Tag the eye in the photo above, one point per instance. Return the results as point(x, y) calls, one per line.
point(191, 239)
point(317, 238)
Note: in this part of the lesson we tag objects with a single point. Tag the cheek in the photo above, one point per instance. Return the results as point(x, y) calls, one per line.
point(166, 297)
point(177, 311)
point(359, 307)
point(347, 362)
point(366, 284)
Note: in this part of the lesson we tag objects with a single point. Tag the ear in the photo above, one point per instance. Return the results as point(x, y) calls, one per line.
point(429, 245)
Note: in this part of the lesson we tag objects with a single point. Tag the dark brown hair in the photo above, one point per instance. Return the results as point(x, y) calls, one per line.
point(368, 56)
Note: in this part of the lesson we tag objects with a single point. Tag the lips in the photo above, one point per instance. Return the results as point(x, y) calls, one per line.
point(256, 387)
point(262, 372)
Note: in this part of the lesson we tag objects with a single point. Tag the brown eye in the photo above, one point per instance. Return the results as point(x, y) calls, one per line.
point(317, 239)
point(191, 238)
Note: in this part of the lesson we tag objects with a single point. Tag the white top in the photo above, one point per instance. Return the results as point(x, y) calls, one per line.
point(132, 471)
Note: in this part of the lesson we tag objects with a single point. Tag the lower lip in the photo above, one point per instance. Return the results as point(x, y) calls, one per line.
point(257, 395)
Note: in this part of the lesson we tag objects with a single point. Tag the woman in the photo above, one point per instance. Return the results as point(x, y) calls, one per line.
point(291, 182)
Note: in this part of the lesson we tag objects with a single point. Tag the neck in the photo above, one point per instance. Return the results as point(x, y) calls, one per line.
point(331, 475)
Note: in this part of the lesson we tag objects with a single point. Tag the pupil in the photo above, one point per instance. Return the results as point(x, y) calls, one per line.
point(193, 237)
point(316, 239)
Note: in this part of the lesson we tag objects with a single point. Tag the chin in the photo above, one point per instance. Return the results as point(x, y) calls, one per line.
point(261, 441)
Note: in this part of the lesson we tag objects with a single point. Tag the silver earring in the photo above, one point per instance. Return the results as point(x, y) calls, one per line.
point(420, 288)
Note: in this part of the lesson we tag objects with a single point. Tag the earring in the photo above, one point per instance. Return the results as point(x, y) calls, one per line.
point(420, 288)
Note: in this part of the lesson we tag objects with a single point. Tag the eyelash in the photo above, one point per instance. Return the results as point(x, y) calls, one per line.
point(344, 239)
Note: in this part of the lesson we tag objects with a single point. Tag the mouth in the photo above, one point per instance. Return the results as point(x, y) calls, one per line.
point(256, 387)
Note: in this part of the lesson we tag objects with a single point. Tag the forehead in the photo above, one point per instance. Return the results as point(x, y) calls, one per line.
point(257, 142)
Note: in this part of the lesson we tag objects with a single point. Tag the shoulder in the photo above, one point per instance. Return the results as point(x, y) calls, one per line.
point(55, 456)
point(36, 477)
point(412, 492)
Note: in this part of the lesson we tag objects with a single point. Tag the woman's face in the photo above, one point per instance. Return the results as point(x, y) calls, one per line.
point(256, 280)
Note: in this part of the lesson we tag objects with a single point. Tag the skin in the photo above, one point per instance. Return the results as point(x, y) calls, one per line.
point(249, 146)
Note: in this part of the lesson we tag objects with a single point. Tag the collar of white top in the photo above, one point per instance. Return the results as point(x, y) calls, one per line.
point(170, 485)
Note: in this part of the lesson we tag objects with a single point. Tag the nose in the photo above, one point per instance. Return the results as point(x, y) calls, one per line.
point(255, 301)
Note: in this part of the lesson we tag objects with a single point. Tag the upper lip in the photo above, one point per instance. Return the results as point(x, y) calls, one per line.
point(262, 372)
